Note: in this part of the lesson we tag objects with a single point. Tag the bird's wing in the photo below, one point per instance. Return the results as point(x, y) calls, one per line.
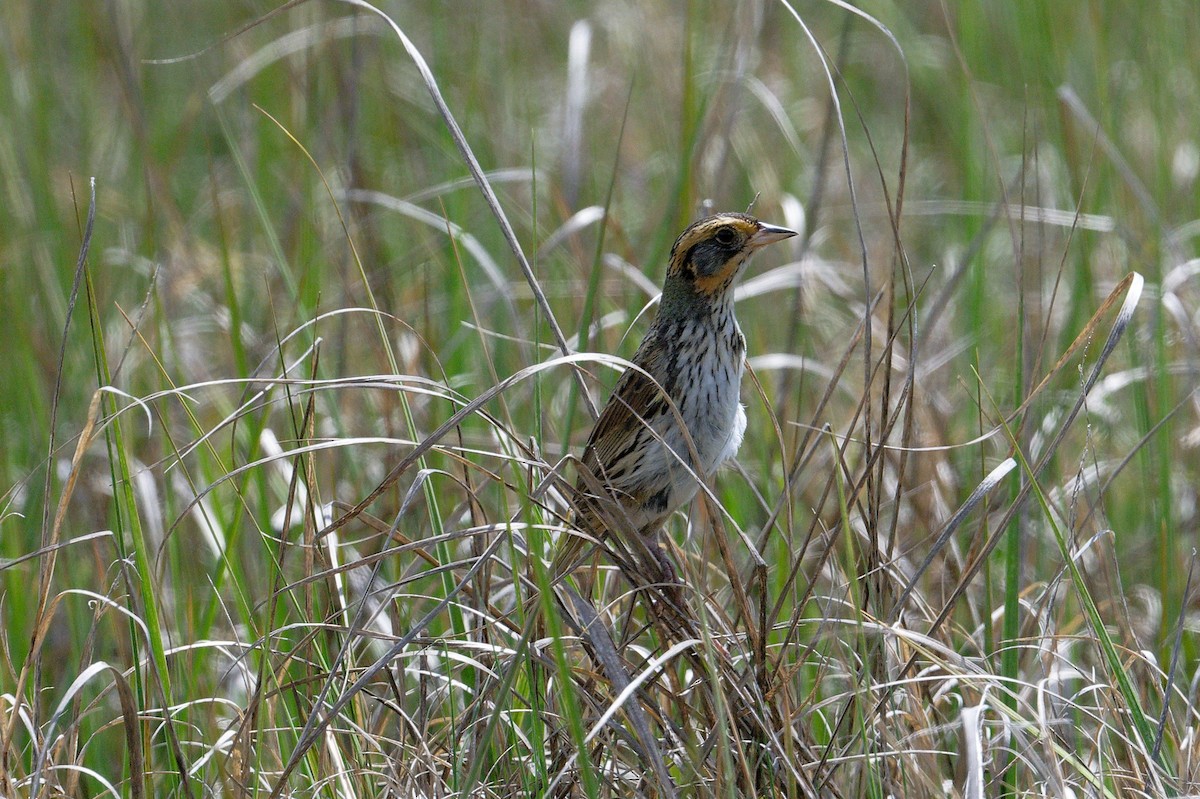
point(619, 444)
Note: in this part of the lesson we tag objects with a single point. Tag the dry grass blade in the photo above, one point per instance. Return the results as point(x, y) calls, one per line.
point(1128, 291)
point(51, 533)
point(593, 629)
point(319, 721)
point(952, 524)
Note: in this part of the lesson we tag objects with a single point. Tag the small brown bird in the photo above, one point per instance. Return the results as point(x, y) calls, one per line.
point(639, 464)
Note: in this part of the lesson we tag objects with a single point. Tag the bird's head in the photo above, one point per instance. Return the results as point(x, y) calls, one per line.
point(711, 253)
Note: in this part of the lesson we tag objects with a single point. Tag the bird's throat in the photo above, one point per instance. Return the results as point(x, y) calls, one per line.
point(682, 299)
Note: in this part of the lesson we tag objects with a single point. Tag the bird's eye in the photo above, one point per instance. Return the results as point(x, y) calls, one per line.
point(725, 236)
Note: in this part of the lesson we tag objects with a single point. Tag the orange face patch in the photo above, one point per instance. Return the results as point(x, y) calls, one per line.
point(710, 284)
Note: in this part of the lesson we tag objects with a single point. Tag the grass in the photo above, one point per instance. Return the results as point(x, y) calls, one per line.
point(955, 557)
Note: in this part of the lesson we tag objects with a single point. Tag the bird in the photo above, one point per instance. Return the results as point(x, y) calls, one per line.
point(640, 464)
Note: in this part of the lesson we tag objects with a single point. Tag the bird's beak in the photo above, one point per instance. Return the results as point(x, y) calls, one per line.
point(769, 234)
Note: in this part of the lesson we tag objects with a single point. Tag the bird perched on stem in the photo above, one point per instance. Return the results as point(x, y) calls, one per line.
point(676, 414)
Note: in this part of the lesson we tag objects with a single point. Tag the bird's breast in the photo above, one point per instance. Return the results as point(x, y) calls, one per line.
point(707, 389)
